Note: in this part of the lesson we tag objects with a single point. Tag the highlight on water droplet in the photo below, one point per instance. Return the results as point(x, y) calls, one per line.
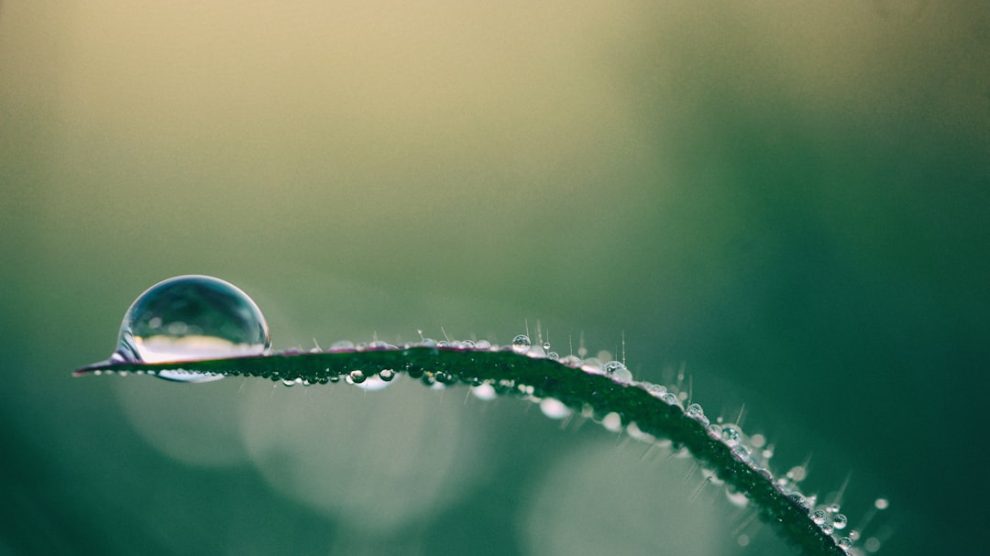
point(188, 318)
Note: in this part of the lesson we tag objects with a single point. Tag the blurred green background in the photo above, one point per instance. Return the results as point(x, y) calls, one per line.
point(787, 200)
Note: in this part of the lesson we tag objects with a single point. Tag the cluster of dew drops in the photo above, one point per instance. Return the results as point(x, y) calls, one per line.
point(200, 317)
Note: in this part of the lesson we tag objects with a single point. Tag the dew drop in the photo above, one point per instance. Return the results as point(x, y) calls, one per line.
point(484, 392)
point(612, 422)
point(617, 372)
point(356, 377)
point(521, 343)
point(670, 398)
point(188, 318)
point(839, 521)
point(375, 382)
point(696, 412)
point(731, 434)
point(554, 409)
point(845, 543)
point(819, 517)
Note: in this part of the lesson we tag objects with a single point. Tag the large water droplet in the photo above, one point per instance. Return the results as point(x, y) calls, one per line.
point(188, 318)
point(521, 343)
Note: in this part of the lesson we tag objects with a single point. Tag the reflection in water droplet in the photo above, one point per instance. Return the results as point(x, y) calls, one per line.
point(356, 377)
point(191, 317)
point(521, 343)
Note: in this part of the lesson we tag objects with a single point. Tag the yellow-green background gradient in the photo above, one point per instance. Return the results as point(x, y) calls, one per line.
point(787, 199)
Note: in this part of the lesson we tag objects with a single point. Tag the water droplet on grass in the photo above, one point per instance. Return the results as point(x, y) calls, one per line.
point(696, 412)
point(554, 408)
point(521, 343)
point(731, 434)
point(356, 377)
point(484, 392)
point(612, 422)
point(617, 372)
point(187, 318)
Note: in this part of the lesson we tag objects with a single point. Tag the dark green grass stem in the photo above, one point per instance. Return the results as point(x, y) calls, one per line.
point(507, 370)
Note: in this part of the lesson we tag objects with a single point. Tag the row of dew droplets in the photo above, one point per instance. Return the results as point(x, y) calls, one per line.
point(195, 317)
point(751, 450)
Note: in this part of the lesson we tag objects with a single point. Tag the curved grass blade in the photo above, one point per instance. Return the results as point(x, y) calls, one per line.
point(653, 409)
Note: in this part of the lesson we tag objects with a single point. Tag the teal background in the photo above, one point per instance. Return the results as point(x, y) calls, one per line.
point(788, 201)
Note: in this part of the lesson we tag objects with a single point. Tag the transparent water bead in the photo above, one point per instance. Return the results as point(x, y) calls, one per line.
point(731, 434)
point(373, 383)
point(191, 317)
point(617, 371)
point(521, 343)
point(696, 412)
